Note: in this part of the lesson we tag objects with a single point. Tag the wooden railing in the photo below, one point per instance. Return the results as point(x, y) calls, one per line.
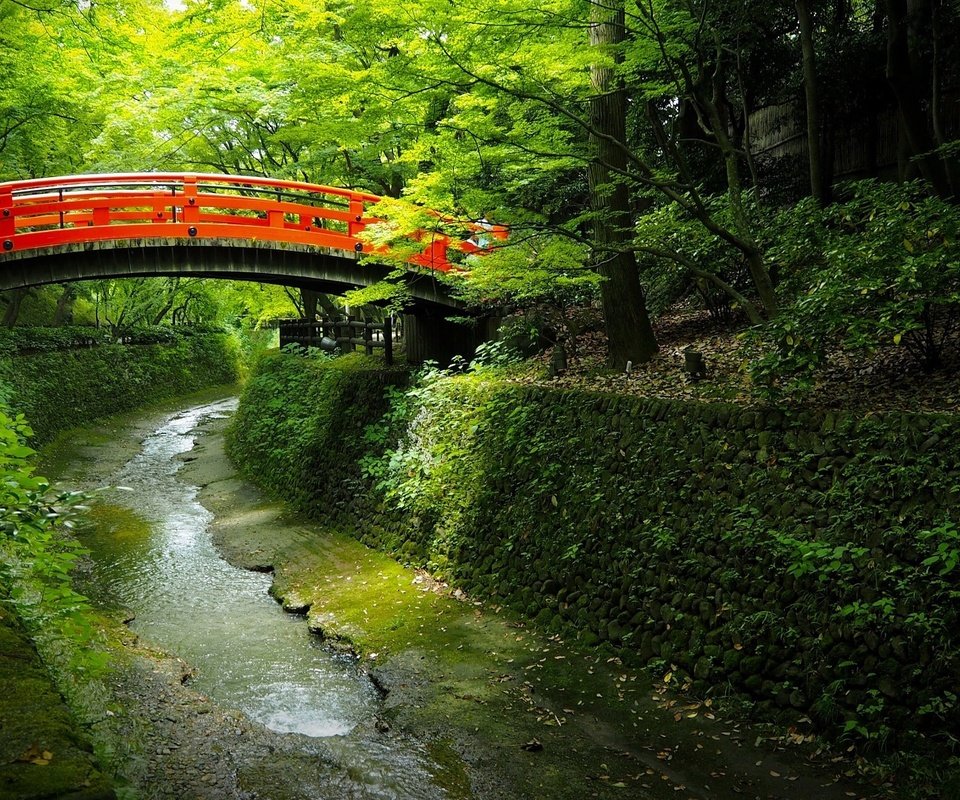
point(49, 212)
point(345, 334)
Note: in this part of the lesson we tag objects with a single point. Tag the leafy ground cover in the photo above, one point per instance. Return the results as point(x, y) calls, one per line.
point(889, 379)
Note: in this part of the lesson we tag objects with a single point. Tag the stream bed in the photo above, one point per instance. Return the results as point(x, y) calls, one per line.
point(153, 559)
point(247, 652)
point(224, 696)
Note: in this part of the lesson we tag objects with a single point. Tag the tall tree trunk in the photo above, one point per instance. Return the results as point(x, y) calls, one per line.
point(910, 89)
point(819, 187)
point(936, 101)
point(172, 287)
point(747, 244)
point(630, 336)
point(318, 301)
point(310, 299)
point(15, 298)
point(64, 312)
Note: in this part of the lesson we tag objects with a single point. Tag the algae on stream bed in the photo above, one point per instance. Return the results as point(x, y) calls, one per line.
point(493, 708)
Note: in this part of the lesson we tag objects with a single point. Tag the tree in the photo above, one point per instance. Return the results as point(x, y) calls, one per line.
point(629, 335)
point(914, 78)
point(43, 118)
point(684, 46)
point(607, 127)
point(819, 185)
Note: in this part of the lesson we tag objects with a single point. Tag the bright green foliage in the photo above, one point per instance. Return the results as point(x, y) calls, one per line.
point(135, 303)
point(37, 552)
point(420, 448)
point(879, 270)
point(538, 269)
point(945, 538)
point(483, 112)
point(42, 121)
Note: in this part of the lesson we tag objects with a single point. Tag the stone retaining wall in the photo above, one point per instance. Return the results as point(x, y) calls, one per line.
point(808, 560)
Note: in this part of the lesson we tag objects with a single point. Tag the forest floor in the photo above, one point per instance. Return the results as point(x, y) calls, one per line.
point(886, 380)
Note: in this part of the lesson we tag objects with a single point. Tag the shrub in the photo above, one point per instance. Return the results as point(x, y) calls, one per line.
point(37, 553)
point(880, 269)
point(59, 388)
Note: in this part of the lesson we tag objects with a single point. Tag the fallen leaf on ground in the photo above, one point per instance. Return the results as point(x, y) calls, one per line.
point(533, 746)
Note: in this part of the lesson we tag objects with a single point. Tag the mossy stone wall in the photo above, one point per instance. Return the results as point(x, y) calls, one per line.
point(60, 389)
point(808, 560)
point(299, 429)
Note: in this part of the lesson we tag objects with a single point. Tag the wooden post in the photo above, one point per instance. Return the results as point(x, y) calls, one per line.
point(368, 336)
point(191, 202)
point(101, 215)
point(8, 224)
point(355, 223)
point(387, 341)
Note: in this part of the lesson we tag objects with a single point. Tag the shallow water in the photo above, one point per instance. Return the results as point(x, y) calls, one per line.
point(248, 653)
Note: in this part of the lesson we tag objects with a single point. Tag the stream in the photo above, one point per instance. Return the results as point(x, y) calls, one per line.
point(248, 653)
point(473, 704)
point(161, 568)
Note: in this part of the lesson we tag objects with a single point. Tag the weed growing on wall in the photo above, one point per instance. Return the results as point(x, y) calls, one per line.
point(422, 457)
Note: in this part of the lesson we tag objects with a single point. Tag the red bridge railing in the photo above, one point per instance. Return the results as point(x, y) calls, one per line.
point(48, 212)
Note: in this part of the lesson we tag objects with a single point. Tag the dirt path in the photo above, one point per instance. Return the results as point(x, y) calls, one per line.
point(492, 708)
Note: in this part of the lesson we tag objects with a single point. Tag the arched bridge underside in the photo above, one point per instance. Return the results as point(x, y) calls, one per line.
point(321, 269)
point(82, 227)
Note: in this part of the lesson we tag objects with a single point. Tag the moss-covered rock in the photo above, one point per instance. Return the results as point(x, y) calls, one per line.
point(43, 752)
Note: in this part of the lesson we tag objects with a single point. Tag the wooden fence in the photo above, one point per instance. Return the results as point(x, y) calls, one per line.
point(865, 145)
point(346, 333)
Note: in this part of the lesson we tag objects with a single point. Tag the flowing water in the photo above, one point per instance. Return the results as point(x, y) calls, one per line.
point(248, 653)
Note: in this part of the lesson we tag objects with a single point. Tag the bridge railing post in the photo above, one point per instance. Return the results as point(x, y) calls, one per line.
point(355, 224)
point(8, 223)
point(101, 215)
point(436, 253)
point(191, 201)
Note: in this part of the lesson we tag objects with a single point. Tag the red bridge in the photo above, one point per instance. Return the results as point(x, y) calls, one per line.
point(224, 226)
